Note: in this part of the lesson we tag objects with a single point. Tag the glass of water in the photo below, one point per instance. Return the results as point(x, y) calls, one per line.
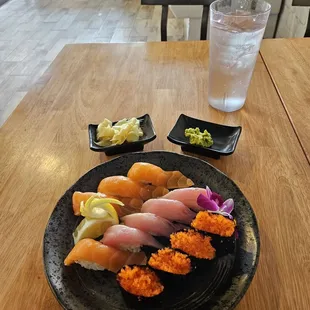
point(236, 31)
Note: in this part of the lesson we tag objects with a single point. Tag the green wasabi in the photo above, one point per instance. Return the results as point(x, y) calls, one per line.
point(196, 137)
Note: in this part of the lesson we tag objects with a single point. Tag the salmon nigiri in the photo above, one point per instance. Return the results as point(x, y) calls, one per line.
point(92, 254)
point(188, 196)
point(131, 205)
point(149, 173)
point(128, 238)
point(172, 210)
point(125, 187)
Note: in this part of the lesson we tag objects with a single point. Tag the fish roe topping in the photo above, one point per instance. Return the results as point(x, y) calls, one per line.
point(193, 243)
point(139, 281)
point(214, 223)
point(170, 261)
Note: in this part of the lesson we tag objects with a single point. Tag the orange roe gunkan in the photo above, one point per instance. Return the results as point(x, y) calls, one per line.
point(214, 223)
point(170, 261)
point(193, 243)
point(139, 281)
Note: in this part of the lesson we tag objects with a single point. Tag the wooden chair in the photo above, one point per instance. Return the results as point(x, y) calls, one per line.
point(305, 3)
point(164, 14)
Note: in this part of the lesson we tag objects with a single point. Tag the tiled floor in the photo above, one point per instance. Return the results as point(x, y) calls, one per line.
point(32, 33)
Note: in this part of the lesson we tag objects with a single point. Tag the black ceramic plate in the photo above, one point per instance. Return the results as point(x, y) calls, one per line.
point(148, 136)
point(225, 138)
point(220, 286)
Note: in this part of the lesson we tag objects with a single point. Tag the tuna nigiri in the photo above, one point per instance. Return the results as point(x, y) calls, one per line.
point(125, 187)
point(92, 254)
point(128, 238)
point(188, 196)
point(152, 224)
point(172, 210)
point(149, 173)
point(131, 205)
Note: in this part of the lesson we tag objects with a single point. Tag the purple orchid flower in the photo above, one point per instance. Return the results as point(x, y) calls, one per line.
point(213, 202)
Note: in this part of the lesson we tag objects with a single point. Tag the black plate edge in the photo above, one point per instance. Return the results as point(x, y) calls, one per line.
point(250, 275)
point(253, 271)
point(56, 295)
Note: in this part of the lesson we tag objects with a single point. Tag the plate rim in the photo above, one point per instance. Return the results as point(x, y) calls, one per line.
point(256, 258)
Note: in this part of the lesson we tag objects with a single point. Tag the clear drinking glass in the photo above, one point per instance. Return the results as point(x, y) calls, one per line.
point(236, 31)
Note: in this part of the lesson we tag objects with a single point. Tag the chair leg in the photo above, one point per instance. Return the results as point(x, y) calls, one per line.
point(164, 20)
point(204, 23)
point(307, 34)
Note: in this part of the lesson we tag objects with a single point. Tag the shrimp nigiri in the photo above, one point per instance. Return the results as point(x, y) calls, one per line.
point(188, 196)
point(92, 254)
point(125, 187)
point(128, 238)
point(131, 205)
point(152, 224)
point(172, 210)
point(149, 173)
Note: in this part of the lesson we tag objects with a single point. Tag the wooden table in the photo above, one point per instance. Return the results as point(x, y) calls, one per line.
point(288, 62)
point(45, 150)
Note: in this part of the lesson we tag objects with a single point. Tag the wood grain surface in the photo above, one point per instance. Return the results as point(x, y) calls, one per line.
point(288, 61)
point(32, 33)
point(45, 150)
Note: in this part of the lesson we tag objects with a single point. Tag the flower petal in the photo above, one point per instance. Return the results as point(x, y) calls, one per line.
point(227, 206)
point(217, 198)
point(206, 203)
point(208, 192)
point(223, 213)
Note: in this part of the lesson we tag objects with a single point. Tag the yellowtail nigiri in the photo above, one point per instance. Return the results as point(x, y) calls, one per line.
point(172, 210)
point(152, 224)
point(127, 238)
point(188, 196)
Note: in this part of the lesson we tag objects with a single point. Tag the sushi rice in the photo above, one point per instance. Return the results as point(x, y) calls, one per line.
point(90, 265)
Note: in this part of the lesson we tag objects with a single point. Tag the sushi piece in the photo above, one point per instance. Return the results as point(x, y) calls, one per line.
point(171, 210)
point(125, 187)
point(139, 281)
point(79, 197)
point(131, 205)
point(214, 223)
point(152, 224)
point(92, 228)
point(149, 173)
point(92, 254)
point(127, 238)
point(171, 261)
point(188, 196)
point(193, 243)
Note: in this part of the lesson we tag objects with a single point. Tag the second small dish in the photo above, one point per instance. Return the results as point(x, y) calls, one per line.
point(225, 138)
